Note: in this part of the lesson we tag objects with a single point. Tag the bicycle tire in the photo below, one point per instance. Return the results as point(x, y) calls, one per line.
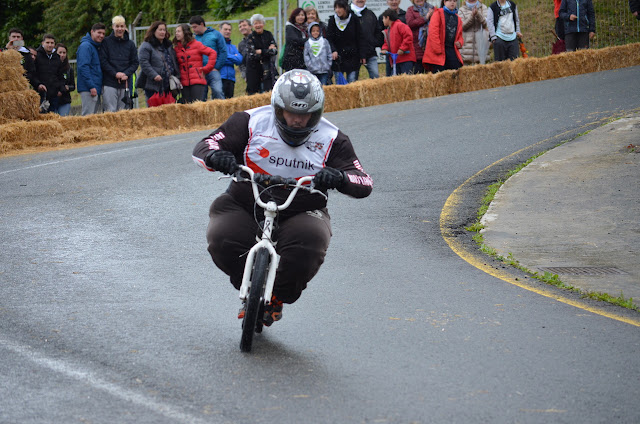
point(256, 297)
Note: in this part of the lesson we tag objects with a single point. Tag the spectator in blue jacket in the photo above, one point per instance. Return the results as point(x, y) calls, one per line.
point(89, 70)
point(211, 38)
point(228, 72)
point(579, 23)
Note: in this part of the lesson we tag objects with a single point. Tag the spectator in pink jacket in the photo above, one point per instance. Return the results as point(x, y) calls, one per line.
point(398, 39)
point(445, 38)
point(192, 70)
point(418, 17)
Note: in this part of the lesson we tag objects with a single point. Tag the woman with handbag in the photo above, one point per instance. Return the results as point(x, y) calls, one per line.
point(157, 64)
point(192, 69)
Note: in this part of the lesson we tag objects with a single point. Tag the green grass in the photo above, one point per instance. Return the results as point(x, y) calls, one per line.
point(546, 277)
point(614, 25)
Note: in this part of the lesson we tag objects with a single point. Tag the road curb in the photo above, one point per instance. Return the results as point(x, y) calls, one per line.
point(460, 210)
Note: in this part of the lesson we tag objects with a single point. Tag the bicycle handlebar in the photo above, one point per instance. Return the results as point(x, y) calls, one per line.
point(274, 180)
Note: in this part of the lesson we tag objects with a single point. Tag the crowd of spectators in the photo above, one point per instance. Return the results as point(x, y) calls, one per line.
point(424, 38)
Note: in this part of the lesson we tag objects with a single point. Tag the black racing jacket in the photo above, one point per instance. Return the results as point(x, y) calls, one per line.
point(235, 135)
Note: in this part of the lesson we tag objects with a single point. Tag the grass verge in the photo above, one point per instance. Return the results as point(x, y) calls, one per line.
point(546, 277)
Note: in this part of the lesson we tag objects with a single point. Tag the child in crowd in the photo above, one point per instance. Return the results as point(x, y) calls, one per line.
point(398, 41)
point(317, 53)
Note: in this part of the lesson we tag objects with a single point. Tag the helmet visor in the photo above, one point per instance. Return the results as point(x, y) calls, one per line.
point(295, 128)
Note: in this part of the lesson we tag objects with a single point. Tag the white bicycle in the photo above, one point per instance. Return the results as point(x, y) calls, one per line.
point(262, 260)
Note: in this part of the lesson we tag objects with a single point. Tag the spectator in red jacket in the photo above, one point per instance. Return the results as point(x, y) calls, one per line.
point(192, 70)
point(445, 38)
point(398, 39)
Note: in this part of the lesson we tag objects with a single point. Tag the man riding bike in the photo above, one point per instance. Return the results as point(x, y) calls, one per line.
point(291, 139)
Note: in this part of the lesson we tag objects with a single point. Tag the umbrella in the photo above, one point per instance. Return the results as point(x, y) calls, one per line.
point(159, 99)
point(559, 46)
point(127, 100)
point(482, 41)
point(155, 100)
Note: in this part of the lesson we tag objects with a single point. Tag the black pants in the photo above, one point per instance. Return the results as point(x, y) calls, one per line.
point(576, 40)
point(259, 79)
point(302, 242)
point(451, 61)
point(560, 28)
point(191, 93)
point(228, 87)
point(505, 50)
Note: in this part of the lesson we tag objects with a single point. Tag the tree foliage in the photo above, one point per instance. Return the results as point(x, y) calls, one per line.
point(223, 8)
point(23, 14)
point(70, 20)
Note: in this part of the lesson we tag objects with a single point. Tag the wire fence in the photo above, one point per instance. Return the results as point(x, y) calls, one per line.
point(615, 25)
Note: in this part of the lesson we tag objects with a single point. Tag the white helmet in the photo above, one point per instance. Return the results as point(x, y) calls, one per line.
point(297, 91)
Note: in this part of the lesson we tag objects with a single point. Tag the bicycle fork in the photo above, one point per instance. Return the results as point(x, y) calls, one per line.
point(266, 243)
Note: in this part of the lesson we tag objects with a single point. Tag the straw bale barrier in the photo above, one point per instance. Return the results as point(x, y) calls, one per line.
point(23, 128)
point(17, 101)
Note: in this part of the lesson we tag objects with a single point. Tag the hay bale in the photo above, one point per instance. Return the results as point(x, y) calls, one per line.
point(529, 70)
point(471, 78)
point(9, 59)
point(17, 101)
point(374, 92)
point(14, 85)
point(13, 76)
point(425, 85)
point(52, 130)
point(21, 135)
point(616, 57)
point(445, 82)
point(498, 74)
point(341, 97)
point(20, 105)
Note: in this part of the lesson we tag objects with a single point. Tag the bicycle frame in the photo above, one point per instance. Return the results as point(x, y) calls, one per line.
point(271, 209)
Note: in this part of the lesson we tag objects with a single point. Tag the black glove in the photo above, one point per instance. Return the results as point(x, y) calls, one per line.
point(328, 178)
point(223, 161)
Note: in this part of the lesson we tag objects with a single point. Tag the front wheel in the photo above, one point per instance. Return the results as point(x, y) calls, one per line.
point(256, 294)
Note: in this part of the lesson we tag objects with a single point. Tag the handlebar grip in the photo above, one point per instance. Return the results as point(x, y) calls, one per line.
point(272, 180)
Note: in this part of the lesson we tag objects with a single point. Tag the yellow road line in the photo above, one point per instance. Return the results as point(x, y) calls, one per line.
point(448, 211)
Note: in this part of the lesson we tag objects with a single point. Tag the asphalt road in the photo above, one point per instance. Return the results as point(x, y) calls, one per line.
point(112, 311)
